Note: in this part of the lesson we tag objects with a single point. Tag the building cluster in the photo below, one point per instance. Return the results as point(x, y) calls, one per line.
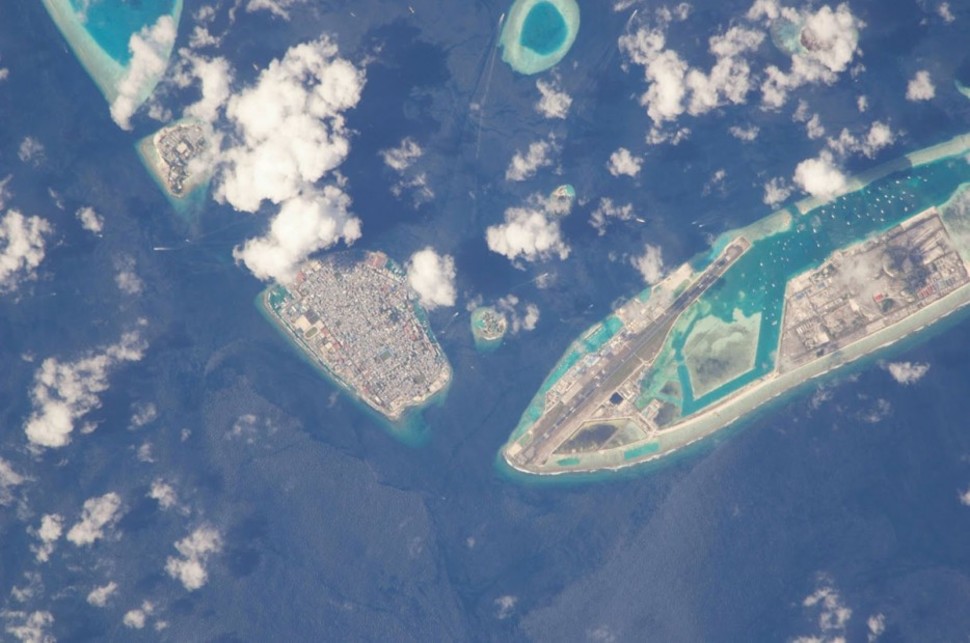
point(870, 287)
point(360, 320)
point(177, 146)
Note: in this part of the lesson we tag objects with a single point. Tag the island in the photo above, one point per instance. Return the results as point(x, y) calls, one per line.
point(799, 294)
point(489, 326)
point(537, 34)
point(101, 36)
point(176, 157)
point(358, 321)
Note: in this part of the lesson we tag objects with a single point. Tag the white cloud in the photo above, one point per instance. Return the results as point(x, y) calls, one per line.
point(99, 596)
point(150, 49)
point(142, 414)
point(554, 102)
point(278, 8)
point(4, 74)
point(907, 373)
point(401, 157)
point(290, 132)
point(432, 276)
point(48, 533)
point(31, 151)
point(21, 248)
point(530, 232)
point(650, 264)
point(29, 628)
point(195, 550)
point(879, 136)
point(214, 76)
point(965, 498)
point(135, 618)
point(814, 127)
point(876, 625)
point(608, 210)
point(831, 37)
point(524, 165)
point(505, 605)
point(8, 480)
point(90, 220)
point(920, 87)
point(943, 10)
point(819, 176)
point(746, 134)
point(519, 319)
point(776, 191)
point(99, 513)
point(65, 392)
point(126, 278)
point(673, 87)
point(163, 493)
point(862, 104)
point(622, 162)
point(303, 225)
point(833, 615)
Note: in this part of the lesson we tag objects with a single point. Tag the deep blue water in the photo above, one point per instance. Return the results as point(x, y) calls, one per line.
point(335, 531)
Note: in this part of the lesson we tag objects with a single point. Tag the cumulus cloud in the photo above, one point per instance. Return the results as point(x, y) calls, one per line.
point(98, 514)
point(401, 157)
point(920, 87)
point(90, 220)
point(99, 596)
point(622, 162)
point(530, 232)
point(819, 176)
point(290, 132)
point(862, 104)
point(126, 278)
point(163, 493)
point(136, 618)
point(524, 165)
point(674, 87)
point(830, 40)
point(214, 78)
point(32, 627)
point(22, 242)
point(876, 625)
point(48, 533)
point(965, 498)
point(650, 264)
point(8, 480)
point(943, 10)
point(432, 277)
point(607, 210)
point(31, 151)
point(194, 552)
point(142, 414)
point(150, 49)
point(279, 8)
point(553, 101)
point(522, 317)
point(776, 191)
point(64, 392)
point(746, 134)
point(833, 614)
point(879, 136)
point(907, 373)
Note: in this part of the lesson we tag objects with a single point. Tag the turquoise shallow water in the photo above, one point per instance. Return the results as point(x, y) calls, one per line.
point(544, 30)
point(112, 22)
point(757, 281)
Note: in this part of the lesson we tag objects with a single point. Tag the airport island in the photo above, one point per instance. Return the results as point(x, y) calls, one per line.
point(357, 320)
point(772, 306)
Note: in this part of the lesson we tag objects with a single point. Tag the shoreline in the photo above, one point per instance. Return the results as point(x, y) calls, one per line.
point(773, 385)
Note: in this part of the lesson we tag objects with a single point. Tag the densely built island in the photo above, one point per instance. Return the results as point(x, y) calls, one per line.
point(176, 157)
point(359, 321)
point(794, 296)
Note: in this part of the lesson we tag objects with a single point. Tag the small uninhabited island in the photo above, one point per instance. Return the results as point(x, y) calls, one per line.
point(176, 157)
point(790, 298)
point(99, 33)
point(359, 322)
point(538, 33)
point(489, 326)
